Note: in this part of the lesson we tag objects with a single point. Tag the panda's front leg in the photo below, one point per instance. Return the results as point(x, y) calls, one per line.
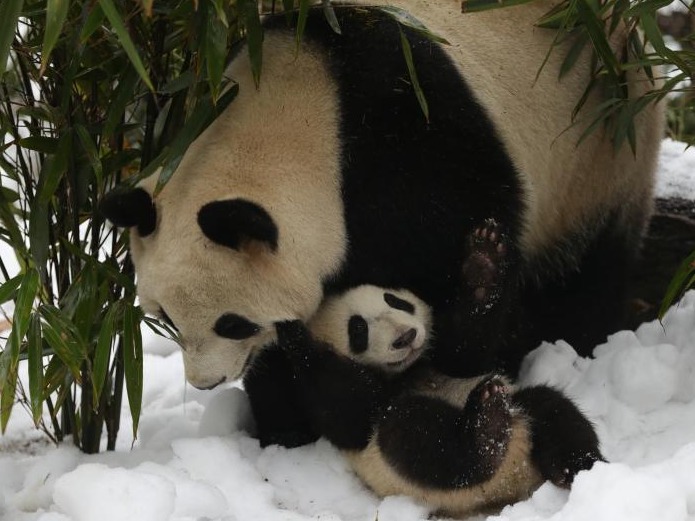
point(564, 440)
point(437, 444)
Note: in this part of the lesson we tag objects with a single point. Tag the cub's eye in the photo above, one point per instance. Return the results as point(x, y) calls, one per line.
point(398, 303)
point(235, 327)
point(358, 334)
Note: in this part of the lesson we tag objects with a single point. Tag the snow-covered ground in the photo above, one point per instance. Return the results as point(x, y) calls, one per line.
point(193, 460)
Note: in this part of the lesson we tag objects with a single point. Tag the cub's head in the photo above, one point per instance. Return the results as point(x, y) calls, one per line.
point(379, 327)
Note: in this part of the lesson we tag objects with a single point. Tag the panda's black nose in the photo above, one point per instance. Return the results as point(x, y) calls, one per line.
point(405, 339)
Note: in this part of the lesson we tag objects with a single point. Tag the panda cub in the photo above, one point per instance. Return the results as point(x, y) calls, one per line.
point(459, 445)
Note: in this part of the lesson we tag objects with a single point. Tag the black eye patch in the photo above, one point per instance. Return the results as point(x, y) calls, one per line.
point(235, 327)
point(398, 303)
point(358, 333)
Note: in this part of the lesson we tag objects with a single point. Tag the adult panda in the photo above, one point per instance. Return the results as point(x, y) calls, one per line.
point(458, 445)
point(328, 176)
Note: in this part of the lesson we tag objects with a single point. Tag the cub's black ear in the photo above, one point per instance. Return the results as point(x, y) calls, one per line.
point(234, 222)
point(130, 208)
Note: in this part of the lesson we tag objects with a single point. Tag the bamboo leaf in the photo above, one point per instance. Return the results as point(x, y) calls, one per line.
point(254, 36)
point(597, 34)
point(54, 168)
point(132, 361)
point(404, 18)
point(408, 55)
point(9, 14)
point(117, 24)
point(35, 364)
point(329, 13)
point(301, 20)
point(92, 23)
point(7, 396)
point(90, 150)
point(203, 115)
point(9, 287)
point(679, 284)
point(472, 6)
point(215, 46)
point(38, 232)
point(102, 353)
point(20, 323)
point(61, 335)
point(573, 54)
point(43, 144)
point(56, 13)
point(122, 96)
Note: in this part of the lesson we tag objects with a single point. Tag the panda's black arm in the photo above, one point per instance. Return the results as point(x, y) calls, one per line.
point(341, 396)
point(564, 440)
point(435, 444)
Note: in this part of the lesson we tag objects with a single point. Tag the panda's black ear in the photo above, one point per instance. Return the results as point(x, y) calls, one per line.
point(234, 222)
point(126, 208)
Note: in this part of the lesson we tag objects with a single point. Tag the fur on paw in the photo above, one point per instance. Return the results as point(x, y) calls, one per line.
point(486, 263)
point(490, 420)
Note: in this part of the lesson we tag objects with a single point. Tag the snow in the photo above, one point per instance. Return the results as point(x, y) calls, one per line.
point(194, 459)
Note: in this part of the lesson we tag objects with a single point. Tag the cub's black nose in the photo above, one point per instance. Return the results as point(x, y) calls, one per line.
point(405, 339)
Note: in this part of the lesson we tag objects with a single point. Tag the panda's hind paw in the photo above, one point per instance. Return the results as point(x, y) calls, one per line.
point(486, 263)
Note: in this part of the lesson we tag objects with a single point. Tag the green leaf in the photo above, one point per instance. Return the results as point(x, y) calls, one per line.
point(301, 20)
point(573, 54)
point(329, 13)
point(132, 361)
point(56, 13)
point(597, 34)
point(61, 335)
point(43, 144)
point(408, 54)
point(38, 232)
point(55, 376)
point(9, 287)
point(120, 99)
point(9, 13)
point(404, 18)
point(215, 46)
point(7, 397)
point(54, 168)
point(92, 23)
point(117, 23)
point(35, 364)
point(20, 323)
point(254, 36)
point(91, 151)
point(682, 280)
point(204, 113)
point(472, 6)
point(184, 81)
point(102, 354)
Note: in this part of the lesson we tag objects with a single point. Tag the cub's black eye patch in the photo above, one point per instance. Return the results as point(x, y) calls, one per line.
point(398, 303)
point(235, 327)
point(358, 334)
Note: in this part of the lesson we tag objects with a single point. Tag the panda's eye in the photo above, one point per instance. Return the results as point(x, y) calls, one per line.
point(398, 303)
point(358, 334)
point(235, 327)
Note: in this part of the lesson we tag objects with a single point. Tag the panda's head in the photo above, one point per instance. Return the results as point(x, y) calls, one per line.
point(383, 328)
point(246, 230)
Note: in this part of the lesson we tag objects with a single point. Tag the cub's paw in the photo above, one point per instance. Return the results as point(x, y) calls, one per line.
point(486, 263)
point(562, 467)
point(490, 420)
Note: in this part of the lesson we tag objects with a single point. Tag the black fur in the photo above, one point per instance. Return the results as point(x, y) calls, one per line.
point(564, 441)
point(424, 185)
point(358, 334)
point(235, 327)
point(441, 446)
point(233, 222)
point(398, 303)
point(130, 208)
